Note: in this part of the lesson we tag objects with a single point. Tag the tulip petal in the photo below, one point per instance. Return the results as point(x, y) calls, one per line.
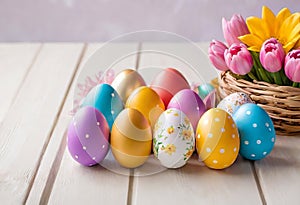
point(272, 63)
point(281, 16)
point(290, 23)
point(295, 33)
point(297, 45)
point(296, 76)
point(218, 63)
point(254, 48)
point(252, 41)
point(288, 46)
point(292, 70)
point(268, 17)
point(257, 26)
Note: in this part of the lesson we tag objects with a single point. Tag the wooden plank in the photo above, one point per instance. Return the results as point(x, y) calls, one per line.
point(45, 177)
point(60, 179)
point(25, 132)
point(197, 184)
point(192, 184)
point(15, 61)
point(279, 172)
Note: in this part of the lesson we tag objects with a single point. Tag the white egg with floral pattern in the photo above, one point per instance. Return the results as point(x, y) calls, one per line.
point(173, 139)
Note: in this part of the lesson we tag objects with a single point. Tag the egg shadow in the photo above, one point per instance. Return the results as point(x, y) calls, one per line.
point(195, 167)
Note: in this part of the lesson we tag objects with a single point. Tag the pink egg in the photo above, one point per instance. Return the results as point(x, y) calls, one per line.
point(210, 100)
point(167, 83)
point(88, 136)
point(190, 104)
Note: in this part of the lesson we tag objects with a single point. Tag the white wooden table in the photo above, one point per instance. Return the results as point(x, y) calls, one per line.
point(36, 89)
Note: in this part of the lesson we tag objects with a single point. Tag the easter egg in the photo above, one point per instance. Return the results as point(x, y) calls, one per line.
point(204, 90)
point(126, 82)
point(210, 100)
point(190, 104)
point(105, 99)
point(88, 136)
point(131, 138)
point(173, 139)
point(167, 83)
point(217, 139)
point(232, 102)
point(148, 102)
point(256, 130)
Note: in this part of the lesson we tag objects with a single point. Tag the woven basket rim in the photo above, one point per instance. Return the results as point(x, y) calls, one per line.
point(282, 103)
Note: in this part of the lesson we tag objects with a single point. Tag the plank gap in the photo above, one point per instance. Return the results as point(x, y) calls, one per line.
point(24, 77)
point(138, 56)
point(131, 176)
point(260, 191)
point(58, 158)
point(54, 125)
point(53, 171)
point(130, 187)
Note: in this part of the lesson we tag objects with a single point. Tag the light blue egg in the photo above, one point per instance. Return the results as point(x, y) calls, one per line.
point(204, 90)
point(256, 130)
point(105, 99)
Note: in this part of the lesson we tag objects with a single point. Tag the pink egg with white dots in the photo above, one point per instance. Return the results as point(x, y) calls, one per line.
point(88, 136)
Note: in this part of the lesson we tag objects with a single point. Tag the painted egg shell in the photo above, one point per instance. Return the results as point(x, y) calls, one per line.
point(147, 101)
point(105, 99)
point(204, 90)
point(169, 82)
point(256, 130)
point(190, 104)
point(217, 139)
point(131, 138)
point(88, 136)
point(232, 102)
point(173, 138)
point(126, 82)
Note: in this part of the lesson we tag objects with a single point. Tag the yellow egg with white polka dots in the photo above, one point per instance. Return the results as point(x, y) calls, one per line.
point(217, 139)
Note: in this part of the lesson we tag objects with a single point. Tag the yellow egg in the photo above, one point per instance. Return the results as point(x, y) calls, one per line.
point(126, 82)
point(217, 139)
point(131, 138)
point(148, 102)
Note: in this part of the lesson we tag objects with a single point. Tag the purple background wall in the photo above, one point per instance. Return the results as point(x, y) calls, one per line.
point(101, 20)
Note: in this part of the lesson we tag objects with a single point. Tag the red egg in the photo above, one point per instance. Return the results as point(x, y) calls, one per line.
point(167, 83)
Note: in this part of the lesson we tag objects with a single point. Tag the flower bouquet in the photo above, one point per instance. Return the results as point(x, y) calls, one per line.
point(261, 57)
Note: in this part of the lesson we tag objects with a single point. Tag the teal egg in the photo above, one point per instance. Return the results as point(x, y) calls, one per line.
point(256, 131)
point(106, 100)
point(204, 90)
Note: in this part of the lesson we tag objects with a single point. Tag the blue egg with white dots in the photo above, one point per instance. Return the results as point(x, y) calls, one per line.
point(256, 130)
point(105, 99)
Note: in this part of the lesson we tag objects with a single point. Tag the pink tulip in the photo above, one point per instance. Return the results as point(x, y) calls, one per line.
point(234, 28)
point(292, 65)
point(272, 55)
point(238, 59)
point(216, 55)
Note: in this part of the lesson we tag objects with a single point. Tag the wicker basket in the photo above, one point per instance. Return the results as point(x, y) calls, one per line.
point(281, 102)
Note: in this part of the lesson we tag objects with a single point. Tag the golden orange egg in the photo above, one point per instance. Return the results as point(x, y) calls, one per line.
point(126, 82)
point(148, 102)
point(131, 138)
point(217, 139)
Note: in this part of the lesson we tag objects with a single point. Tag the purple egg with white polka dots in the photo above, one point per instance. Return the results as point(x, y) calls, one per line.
point(88, 136)
point(256, 130)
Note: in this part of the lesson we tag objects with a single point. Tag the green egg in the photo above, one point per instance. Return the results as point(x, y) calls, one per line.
point(204, 90)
